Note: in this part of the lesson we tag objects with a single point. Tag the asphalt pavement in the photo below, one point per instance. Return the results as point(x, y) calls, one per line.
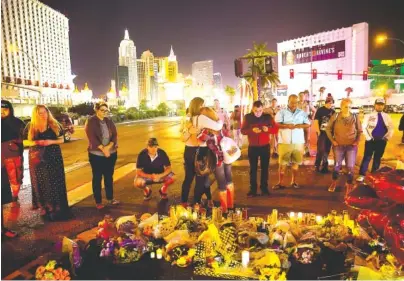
point(37, 237)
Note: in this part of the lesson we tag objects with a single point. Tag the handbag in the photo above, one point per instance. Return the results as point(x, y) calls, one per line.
point(231, 152)
point(36, 156)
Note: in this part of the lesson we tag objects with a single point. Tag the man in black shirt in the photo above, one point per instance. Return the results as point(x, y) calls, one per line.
point(321, 119)
point(12, 148)
point(153, 166)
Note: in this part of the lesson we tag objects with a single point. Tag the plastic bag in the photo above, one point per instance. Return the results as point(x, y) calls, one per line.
point(151, 221)
point(164, 228)
point(126, 224)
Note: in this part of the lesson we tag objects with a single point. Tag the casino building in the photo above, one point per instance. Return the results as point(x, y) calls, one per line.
point(333, 59)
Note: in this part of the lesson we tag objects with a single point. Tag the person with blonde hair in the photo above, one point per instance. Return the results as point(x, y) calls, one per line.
point(43, 136)
point(195, 124)
point(344, 131)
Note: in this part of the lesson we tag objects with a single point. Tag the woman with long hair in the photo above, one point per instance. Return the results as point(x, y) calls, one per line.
point(43, 136)
point(102, 153)
point(196, 123)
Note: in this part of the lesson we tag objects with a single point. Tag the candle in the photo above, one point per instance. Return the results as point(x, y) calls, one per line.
point(292, 215)
point(245, 258)
point(159, 254)
point(152, 255)
point(300, 215)
point(319, 219)
point(194, 215)
point(274, 219)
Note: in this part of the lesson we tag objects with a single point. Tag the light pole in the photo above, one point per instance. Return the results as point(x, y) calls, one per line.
point(380, 39)
point(16, 49)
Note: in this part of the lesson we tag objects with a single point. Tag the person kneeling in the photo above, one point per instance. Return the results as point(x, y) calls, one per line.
point(153, 166)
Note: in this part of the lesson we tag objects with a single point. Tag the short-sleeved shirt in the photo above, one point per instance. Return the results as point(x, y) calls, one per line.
point(323, 116)
point(155, 166)
point(295, 136)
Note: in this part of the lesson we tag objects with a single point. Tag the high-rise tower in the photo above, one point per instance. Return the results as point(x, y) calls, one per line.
point(127, 57)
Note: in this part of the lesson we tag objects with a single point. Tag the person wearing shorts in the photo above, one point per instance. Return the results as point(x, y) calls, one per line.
point(291, 121)
point(153, 167)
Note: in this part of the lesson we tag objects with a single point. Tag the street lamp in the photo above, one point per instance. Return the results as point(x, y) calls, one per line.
point(16, 49)
point(381, 39)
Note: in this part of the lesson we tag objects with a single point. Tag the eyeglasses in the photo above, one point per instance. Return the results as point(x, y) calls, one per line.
point(104, 110)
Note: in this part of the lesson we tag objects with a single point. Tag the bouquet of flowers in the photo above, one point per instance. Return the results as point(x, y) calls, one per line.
point(51, 272)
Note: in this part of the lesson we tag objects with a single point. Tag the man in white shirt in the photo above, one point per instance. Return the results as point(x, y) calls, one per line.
point(378, 129)
point(292, 122)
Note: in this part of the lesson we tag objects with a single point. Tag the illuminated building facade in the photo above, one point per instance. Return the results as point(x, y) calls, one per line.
point(127, 57)
point(35, 53)
point(202, 71)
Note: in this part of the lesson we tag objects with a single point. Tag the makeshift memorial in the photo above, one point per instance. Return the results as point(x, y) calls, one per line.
point(51, 271)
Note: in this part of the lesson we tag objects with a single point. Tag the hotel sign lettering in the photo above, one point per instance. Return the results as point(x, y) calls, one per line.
point(321, 52)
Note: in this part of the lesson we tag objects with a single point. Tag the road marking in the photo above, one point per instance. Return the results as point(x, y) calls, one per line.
point(80, 193)
point(75, 166)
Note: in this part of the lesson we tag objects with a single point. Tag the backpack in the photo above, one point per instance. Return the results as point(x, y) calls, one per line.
point(336, 117)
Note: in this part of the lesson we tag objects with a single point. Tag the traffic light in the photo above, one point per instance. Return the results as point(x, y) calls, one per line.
point(291, 74)
point(238, 67)
point(314, 73)
point(268, 65)
point(365, 75)
point(339, 74)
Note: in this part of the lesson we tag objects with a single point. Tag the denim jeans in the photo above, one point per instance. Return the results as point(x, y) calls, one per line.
point(254, 153)
point(223, 176)
point(189, 166)
point(103, 166)
point(375, 149)
point(323, 150)
point(238, 137)
point(347, 152)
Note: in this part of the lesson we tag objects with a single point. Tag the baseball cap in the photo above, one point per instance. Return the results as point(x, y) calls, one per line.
point(152, 142)
point(380, 101)
point(5, 104)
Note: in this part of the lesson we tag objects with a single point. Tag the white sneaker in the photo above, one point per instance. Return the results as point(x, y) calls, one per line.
point(360, 178)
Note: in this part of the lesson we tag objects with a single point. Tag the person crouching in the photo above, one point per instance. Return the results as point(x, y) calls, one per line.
point(153, 166)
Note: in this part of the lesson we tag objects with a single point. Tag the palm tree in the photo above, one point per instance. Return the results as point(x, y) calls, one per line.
point(231, 92)
point(348, 91)
point(258, 70)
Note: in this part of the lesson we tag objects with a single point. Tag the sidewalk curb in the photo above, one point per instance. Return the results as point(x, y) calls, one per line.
point(82, 192)
point(136, 121)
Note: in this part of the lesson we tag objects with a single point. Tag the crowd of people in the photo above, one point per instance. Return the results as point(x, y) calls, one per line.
point(213, 141)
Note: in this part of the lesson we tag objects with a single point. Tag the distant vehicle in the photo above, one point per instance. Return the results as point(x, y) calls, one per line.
point(400, 108)
point(64, 120)
point(367, 109)
point(390, 108)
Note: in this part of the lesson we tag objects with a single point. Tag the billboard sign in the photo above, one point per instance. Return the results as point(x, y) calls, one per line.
point(321, 52)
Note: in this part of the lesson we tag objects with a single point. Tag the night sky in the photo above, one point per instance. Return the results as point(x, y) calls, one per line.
point(220, 30)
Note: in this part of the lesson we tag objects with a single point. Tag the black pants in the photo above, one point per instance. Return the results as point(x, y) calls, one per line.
point(323, 150)
point(189, 166)
point(103, 166)
point(254, 153)
point(375, 149)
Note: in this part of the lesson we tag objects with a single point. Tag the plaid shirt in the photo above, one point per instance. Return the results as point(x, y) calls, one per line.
point(213, 143)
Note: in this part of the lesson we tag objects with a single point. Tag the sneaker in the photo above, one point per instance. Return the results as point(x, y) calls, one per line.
point(252, 193)
point(332, 187)
point(317, 169)
point(8, 233)
point(277, 186)
point(147, 196)
point(99, 206)
point(360, 178)
point(163, 195)
point(113, 202)
point(295, 185)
